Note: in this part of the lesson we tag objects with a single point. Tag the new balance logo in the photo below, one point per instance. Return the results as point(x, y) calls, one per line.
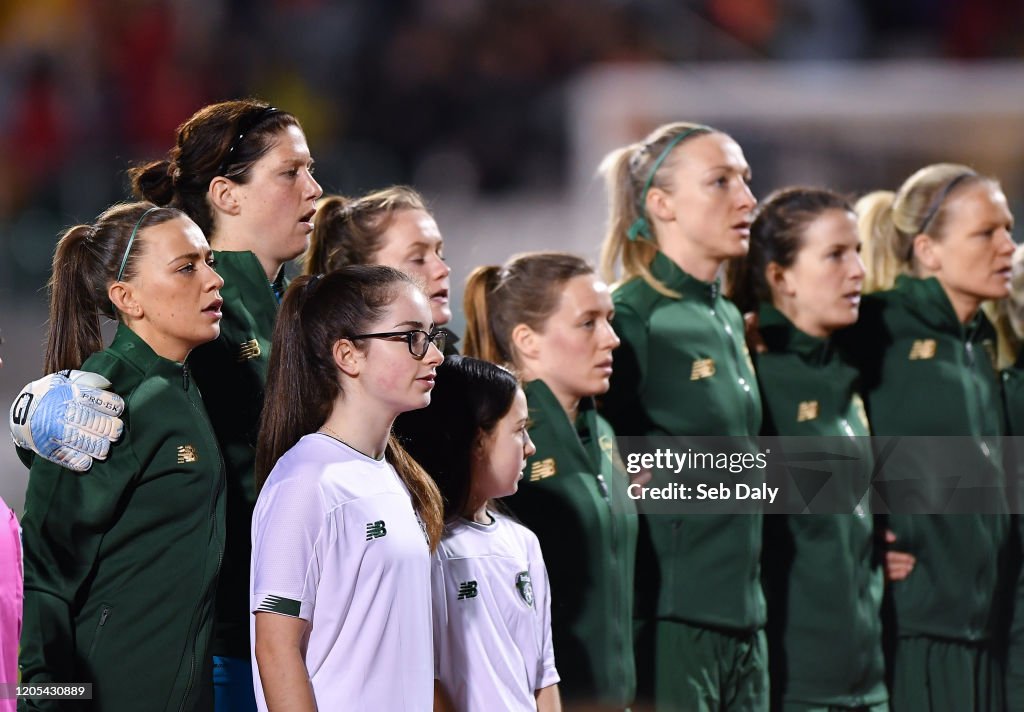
point(187, 453)
point(375, 530)
point(922, 349)
point(467, 589)
point(702, 368)
point(249, 350)
point(542, 468)
point(807, 410)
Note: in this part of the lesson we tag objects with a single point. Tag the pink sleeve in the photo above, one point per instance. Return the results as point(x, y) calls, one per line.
point(11, 597)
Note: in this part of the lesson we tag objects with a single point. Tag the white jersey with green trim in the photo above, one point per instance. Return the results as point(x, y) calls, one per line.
point(492, 616)
point(335, 541)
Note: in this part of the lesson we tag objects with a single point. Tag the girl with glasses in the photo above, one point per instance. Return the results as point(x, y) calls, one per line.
point(345, 519)
point(491, 602)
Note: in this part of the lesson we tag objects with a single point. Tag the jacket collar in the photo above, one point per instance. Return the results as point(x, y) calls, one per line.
point(130, 347)
point(781, 335)
point(546, 412)
point(246, 278)
point(670, 274)
point(929, 302)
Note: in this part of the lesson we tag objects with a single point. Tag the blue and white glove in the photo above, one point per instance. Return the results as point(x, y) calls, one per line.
point(68, 418)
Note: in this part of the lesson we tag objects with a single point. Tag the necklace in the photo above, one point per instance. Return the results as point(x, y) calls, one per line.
point(326, 430)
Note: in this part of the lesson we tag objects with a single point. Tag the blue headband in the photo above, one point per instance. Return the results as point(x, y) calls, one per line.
point(131, 241)
point(641, 227)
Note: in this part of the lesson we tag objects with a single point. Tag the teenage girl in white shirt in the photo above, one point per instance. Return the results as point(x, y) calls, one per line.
point(345, 520)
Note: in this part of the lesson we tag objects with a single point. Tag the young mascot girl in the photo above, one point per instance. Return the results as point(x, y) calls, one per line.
point(823, 577)
point(547, 315)
point(924, 350)
point(341, 534)
point(492, 617)
point(680, 206)
point(121, 564)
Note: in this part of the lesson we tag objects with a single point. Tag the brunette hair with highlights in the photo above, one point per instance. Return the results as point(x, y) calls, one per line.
point(220, 139)
point(526, 290)
point(347, 231)
point(85, 264)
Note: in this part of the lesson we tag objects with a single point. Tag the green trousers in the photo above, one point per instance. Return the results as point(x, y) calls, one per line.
point(932, 675)
point(684, 668)
point(800, 707)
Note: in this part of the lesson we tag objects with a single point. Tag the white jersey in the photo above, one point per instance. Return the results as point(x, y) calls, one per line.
point(492, 616)
point(335, 542)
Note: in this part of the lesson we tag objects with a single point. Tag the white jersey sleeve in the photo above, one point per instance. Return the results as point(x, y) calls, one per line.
point(288, 529)
point(547, 674)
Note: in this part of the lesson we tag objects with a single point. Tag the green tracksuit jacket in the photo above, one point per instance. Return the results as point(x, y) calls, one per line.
point(926, 374)
point(683, 369)
point(822, 572)
point(231, 373)
point(573, 496)
point(121, 562)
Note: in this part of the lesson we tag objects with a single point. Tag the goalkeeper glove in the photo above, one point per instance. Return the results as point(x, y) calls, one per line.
point(68, 418)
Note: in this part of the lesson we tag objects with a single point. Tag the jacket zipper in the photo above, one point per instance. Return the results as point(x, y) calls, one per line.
point(104, 615)
point(744, 383)
point(194, 632)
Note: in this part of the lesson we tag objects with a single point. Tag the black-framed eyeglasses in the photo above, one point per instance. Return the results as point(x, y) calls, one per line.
point(419, 341)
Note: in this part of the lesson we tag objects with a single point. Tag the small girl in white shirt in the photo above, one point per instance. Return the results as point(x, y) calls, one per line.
point(491, 599)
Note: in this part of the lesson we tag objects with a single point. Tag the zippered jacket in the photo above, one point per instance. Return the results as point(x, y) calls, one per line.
point(927, 374)
point(823, 574)
point(573, 496)
point(121, 563)
point(231, 372)
point(683, 369)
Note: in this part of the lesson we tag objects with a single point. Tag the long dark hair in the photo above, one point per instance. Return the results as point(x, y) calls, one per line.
point(777, 235)
point(85, 263)
point(302, 379)
point(469, 398)
point(220, 139)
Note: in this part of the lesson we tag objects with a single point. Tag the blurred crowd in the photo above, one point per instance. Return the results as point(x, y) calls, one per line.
point(460, 93)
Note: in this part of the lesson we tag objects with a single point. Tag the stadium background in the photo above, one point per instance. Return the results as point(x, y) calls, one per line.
point(497, 110)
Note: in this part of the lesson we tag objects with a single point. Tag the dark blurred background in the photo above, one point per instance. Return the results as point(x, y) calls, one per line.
point(498, 110)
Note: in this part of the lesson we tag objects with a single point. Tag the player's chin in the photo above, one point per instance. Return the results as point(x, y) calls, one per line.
point(737, 246)
point(440, 313)
point(297, 247)
point(596, 386)
point(416, 401)
point(205, 335)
